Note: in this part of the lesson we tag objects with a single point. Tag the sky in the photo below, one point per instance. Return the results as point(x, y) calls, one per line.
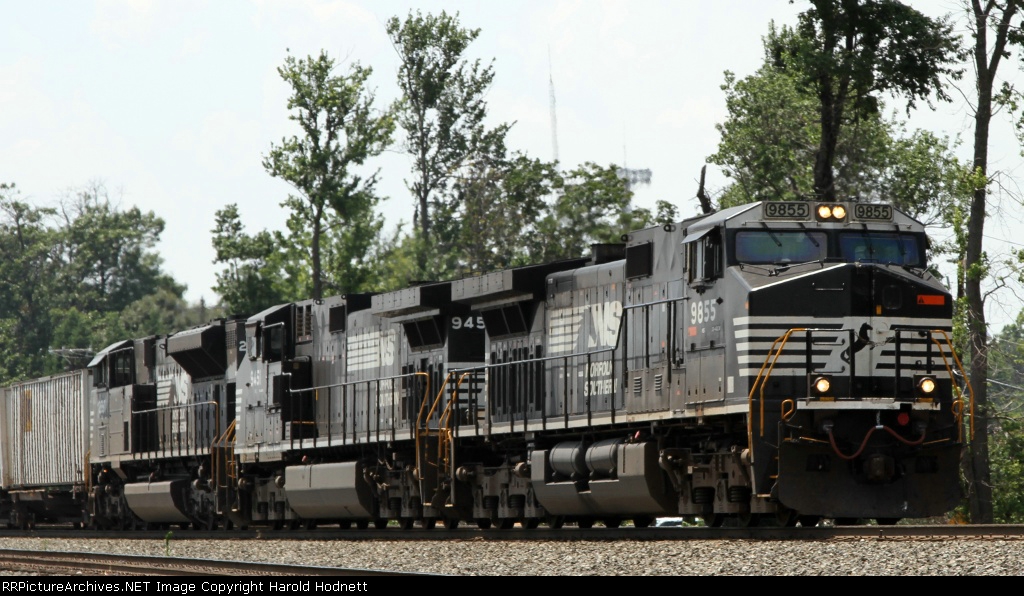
point(171, 105)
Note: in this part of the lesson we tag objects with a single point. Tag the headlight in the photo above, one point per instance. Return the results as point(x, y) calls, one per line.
point(926, 385)
point(820, 385)
point(831, 212)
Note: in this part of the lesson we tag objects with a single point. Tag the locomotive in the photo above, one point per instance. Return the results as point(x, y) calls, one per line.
point(776, 362)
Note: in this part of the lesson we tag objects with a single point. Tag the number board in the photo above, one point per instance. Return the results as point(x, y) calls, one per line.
point(872, 211)
point(787, 210)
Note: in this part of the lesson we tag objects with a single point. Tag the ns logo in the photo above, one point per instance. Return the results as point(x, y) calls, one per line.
point(603, 330)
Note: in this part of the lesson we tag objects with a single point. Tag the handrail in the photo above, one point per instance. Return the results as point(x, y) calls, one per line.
point(194, 406)
point(444, 429)
point(753, 387)
point(967, 382)
point(222, 441)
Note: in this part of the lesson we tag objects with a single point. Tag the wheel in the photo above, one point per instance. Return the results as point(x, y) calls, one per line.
point(429, 523)
point(531, 523)
point(483, 523)
point(808, 521)
point(554, 521)
point(642, 522)
point(362, 524)
point(506, 523)
point(380, 523)
point(406, 523)
point(887, 521)
point(277, 525)
point(310, 524)
point(451, 523)
point(714, 520)
point(786, 517)
point(585, 522)
point(846, 521)
point(345, 524)
point(612, 522)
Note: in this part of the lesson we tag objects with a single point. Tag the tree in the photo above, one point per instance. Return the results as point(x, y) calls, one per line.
point(847, 52)
point(501, 207)
point(985, 18)
point(769, 141)
point(592, 206)
point(1006, 423)
point(27, 271)
point(340, 132)
point(253, 279)
point(67, 275)
point(108, 254)
point(770, 137)
point(442, 112)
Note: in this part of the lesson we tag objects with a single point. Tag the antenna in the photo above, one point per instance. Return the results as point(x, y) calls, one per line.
point(554, 121)
point(633, 177)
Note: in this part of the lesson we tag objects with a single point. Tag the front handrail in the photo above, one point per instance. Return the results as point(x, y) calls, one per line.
point(967, 383)
point(753, 388)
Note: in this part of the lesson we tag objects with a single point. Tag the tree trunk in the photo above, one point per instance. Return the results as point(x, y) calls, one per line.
point(318, 282)
point(977, 469)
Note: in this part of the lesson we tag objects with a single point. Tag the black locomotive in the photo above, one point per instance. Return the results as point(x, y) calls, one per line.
point(778, 361)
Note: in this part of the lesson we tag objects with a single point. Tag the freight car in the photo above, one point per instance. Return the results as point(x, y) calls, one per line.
point(769, 363)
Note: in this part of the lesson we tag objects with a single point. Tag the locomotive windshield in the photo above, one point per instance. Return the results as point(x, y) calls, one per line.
point(805, 246)
point(780, 246)
point(880, 247)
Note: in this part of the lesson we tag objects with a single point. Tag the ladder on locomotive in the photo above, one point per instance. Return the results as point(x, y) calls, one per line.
point(225, 473)
point(435, 428)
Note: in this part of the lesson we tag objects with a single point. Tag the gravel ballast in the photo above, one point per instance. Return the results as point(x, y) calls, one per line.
point(852, 557)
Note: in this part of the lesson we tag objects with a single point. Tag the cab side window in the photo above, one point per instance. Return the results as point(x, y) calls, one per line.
point(704, 257)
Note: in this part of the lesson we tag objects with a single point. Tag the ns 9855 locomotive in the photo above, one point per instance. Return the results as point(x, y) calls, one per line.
point(777, 361)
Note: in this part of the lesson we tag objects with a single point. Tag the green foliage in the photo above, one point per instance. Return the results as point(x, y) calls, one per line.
point(66, 277)
point(1006, 422)
point(28, 268)
point(499, 210)
point(772, 134)
point(108, 254)
point(592, 206)
point(846, 53)
point(442, 112)
point(340, 131)
point(252, 279)
point(768, 141)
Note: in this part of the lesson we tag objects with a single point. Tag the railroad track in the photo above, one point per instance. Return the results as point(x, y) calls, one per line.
point(1005, 531)
point(42, 563)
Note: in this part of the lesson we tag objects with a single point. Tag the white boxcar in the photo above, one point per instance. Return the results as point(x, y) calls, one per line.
point(45, 432)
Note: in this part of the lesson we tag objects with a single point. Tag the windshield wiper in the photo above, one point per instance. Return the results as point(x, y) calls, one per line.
point(772, 234)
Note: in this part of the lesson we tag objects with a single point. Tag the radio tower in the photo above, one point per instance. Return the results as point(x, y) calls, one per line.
point(554, 121)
